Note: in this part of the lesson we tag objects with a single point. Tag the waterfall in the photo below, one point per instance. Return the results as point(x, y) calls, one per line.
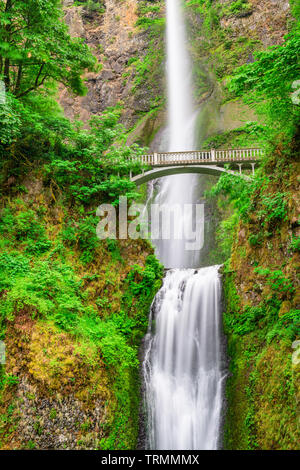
point(182, 366)
point(178, 190)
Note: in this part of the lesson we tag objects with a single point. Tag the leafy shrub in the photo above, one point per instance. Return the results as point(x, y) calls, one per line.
point(276, 280)
point(295, 244)
point(267, 83)
point(274, 208)
point(256, 239)
point(245, 322)
point(287, 327)
point(240, 8)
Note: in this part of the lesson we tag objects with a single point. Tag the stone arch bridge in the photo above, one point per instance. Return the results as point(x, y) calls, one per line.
point(210, 162)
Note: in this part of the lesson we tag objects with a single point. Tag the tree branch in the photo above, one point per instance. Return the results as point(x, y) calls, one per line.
point(32, 88)
point(19, 77)
point(6, 74)
point(39, 74)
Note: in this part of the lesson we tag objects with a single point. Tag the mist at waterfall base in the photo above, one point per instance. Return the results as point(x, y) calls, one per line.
point(182, 366)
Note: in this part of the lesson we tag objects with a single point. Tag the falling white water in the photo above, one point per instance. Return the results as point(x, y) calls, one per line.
point(182, 365)
point(180, 102)
point(178, 190)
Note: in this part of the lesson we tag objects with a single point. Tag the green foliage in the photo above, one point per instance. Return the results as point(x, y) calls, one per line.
point(152, 271)
point(95, 6)
point(228, 55)
point(147, 7)
point(10, 122)
point(51, 291)
point(82, 234)
point(267, 84)
point(246, 322)
point(237, 189)
point(287, 327)
point(24, 227)
point(141, 285)
point(9, 380)
point(83, 163)
point(276, 280)
point(36, 48)
point(149, 17)
point(274, 208)
point(255, 239)
point(81, 166)
point(238, 8)
point(248, 135)
point(225, 234)
point(148, 67)
point(86, 164)
point(259, 390)
point(91, 165)
point(261, 323)
point(249, 200)
point(295, 8)
point(295, 244)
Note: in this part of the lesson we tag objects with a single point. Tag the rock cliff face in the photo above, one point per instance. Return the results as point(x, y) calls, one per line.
point(119, 43)
point(267, 21)
point(224, 37)
point(116, 41)
point(57, 391)
point(261, 320)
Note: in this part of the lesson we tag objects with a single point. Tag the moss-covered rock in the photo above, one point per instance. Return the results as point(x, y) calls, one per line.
point(72, 326)
point(262, 322)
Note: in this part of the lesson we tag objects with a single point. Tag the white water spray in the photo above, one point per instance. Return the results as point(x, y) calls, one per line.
point(182, 365)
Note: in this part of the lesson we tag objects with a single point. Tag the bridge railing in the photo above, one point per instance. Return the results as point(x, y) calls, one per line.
point(201, 156)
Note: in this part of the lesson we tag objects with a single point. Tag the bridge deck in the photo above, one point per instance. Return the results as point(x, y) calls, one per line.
point(207, 157)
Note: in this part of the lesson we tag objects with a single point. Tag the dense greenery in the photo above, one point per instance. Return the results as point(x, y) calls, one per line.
point(36, 49)
point(267, 85)
point(86, 302)
point(259, 240)
point(39, 279)
point(73, 309)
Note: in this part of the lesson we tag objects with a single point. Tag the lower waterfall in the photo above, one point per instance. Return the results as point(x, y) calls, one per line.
point(183, 364)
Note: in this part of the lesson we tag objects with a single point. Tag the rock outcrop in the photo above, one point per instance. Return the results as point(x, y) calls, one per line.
point(266, 21)
point(116, 41)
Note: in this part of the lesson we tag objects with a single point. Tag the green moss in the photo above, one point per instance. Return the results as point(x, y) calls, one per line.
point(261, 389)
point(261, 322)
point(84, 317)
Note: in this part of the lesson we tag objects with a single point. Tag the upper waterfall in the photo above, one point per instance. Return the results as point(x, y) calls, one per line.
point(178, 191)
point(180, 103)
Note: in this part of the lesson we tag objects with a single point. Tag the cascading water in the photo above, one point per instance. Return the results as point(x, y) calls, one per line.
point(182, 365)
point(178, 190)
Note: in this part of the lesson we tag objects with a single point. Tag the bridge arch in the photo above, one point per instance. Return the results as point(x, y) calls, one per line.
point(159, 172)
point(205, 162)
